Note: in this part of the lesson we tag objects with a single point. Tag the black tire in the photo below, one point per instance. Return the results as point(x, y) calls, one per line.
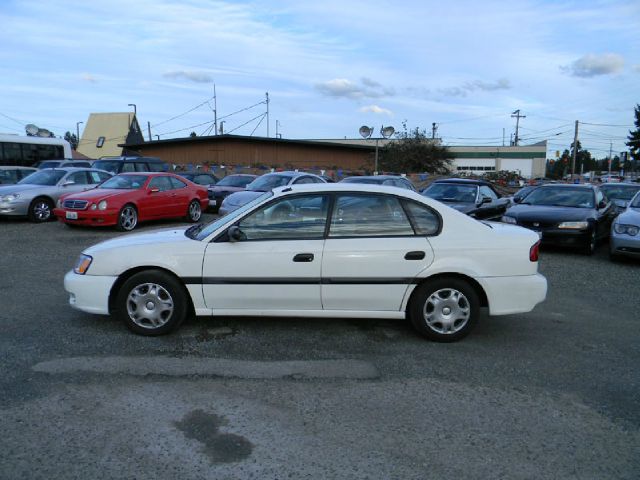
point(194, 211)
point(152, 303)
point(456, 315)
point(592, 242)
point(127, 218)
point(41, 210)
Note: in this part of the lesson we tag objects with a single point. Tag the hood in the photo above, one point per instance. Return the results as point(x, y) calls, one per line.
point(543, 213)
point(155, 237)
point(96, 194)
point(226, 189)
point(631, 216)
point(238, 199)
point(7, 189)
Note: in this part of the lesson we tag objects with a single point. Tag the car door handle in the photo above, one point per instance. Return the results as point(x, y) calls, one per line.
point(417, 255)
point(303, 257)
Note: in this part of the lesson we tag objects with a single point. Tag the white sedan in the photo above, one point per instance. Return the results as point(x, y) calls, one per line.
point(323, 250)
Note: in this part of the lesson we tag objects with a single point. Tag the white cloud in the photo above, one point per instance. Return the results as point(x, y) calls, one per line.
point(198, 77)
point(342, 87)
point(376, 109)
point(593, 65)
point(87, 77)
point(474, 86)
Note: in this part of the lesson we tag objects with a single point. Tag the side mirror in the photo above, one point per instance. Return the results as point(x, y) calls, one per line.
point(484, 200)
point(235, 234)
point(517, 199)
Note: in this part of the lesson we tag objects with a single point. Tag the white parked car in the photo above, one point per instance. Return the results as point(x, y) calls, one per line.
point(322, 250)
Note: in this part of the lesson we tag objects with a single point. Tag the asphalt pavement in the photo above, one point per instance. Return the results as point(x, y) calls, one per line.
point(554, 393)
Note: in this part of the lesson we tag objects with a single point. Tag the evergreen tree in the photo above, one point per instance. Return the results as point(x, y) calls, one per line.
point(634, 136)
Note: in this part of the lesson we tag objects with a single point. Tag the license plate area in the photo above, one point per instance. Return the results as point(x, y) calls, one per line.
point(71, 215)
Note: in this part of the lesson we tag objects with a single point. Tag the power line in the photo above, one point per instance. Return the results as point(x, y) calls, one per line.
point(248, 121)
point(184, 113)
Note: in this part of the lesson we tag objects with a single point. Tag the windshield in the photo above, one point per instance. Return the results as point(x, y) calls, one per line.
point(239, 181)
point(202, 231)
point(268, 182)
point(635, 203)
point(125, 182)
point(108, 165)
point(43, 177)
point(450, 192)
point(620, 192)
point(561, 197)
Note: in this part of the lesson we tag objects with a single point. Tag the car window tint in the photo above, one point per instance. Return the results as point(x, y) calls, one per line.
point(487, 192)
point(302, 217)
point(128, 167)
point(102, 176)
point(96, 177)
point(175, 183)
point(141, 167)
point(161, 183)
point(599, 197)
point(79, 178)
point(424, 220)
point(303, 180)
point(369, 216)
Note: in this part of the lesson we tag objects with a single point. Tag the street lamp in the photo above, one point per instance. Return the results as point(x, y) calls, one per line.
point(134, 108)
point(78, 133)
point(386, 133)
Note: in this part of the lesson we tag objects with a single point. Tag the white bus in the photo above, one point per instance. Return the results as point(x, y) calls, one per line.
point(27, 150)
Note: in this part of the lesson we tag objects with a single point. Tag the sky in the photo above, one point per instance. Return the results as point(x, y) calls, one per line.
point(329, 67)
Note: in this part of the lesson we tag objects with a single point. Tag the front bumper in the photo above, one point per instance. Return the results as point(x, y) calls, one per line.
point(622, 244)
point(567, 237)
point(89, 293)
point(518, 294)
point(18, 209)
point(91, 218)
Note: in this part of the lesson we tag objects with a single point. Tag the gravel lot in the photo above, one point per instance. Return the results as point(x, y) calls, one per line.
point(550, 394)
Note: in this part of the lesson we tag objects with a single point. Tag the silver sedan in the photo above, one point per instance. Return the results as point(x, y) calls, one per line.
point(36, 195)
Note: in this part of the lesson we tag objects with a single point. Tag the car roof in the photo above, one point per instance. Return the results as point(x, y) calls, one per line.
point(464, 181)
point(348, 187)
point(290, 173)
point(376, 176)
point(16, 167)
point(584, 186)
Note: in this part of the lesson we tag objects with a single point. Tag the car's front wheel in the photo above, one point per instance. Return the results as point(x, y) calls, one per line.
point(194, 212)
point(127, 218)
point(592, 241)
point(40, 210)
point(152, 303)
point(445, 309)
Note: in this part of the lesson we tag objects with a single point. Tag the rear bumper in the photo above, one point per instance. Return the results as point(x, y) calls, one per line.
point(519, 294)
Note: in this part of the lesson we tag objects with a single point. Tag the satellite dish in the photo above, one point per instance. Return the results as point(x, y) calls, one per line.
point(386, 132)
point(43, 132)
point(365, 132)
point(31, 129)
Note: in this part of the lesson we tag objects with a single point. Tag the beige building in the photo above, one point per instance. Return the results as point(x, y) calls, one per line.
point(105, 132)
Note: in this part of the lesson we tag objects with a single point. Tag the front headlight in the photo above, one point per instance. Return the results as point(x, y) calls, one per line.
point(628, 229)
point(102, 205)
point(574, 225)
point(508, 219)
point(9, 198)
point(82, 265)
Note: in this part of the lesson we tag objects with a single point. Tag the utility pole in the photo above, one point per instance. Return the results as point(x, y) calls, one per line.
point(149, 129)
point(267, 101)
point(517, 116)
point(503, 137)
point(215, 110)
point(434, 129)
point(610, 159)
point(278, 135)
point(575, 152)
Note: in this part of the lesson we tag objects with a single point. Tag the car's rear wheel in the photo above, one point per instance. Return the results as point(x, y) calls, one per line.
point(152, 303)
point(445, 309)
point(127, 218)
point(194, 212)
point(40, 210)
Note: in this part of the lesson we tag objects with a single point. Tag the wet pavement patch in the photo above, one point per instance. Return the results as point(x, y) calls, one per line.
point(219, 447)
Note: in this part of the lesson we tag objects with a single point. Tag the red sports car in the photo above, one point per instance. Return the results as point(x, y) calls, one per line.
point(129, 198)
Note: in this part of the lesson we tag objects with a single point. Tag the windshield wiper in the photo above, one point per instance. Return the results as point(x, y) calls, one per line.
point(194, 230)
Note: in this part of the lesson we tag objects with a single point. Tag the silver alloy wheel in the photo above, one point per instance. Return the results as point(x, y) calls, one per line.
point(195, 212)
point(42, 210)
point(149, 305)
point(446, 311)
point(128, 218)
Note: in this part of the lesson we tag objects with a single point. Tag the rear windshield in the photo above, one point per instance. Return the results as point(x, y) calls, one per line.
point(108, 165)
point(240, 181)
point(561, 197)
point(125, 182)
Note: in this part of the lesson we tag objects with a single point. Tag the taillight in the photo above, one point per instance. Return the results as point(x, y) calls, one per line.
point(533, 251)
